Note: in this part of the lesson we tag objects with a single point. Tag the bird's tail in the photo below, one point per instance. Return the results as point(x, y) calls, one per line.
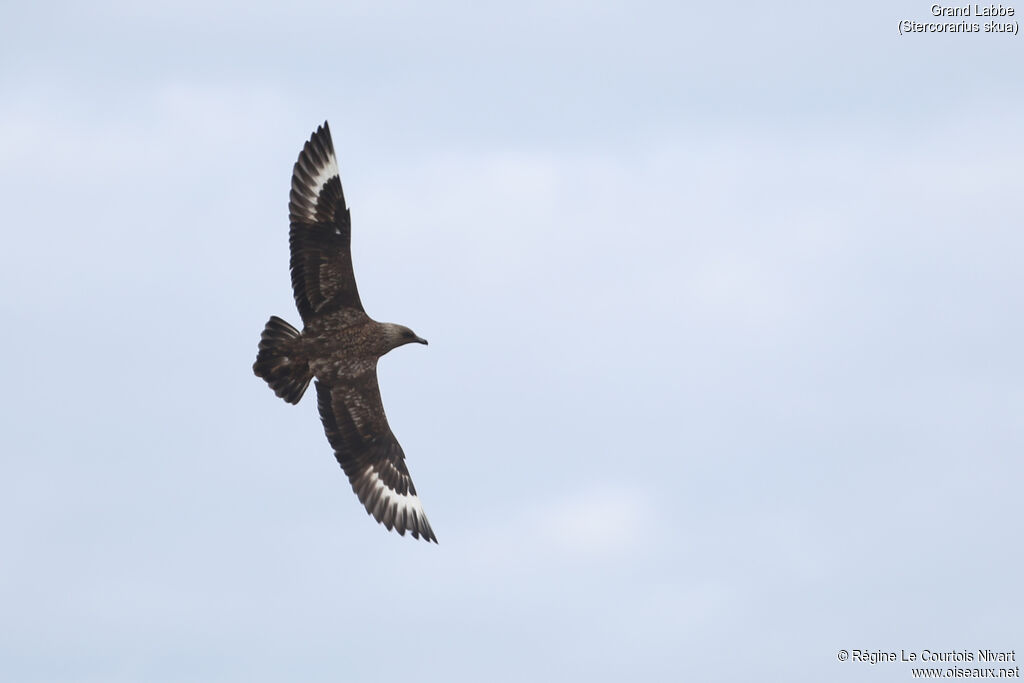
point(280, 361)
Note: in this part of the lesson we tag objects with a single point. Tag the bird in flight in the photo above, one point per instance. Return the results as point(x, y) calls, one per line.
point(339, 345)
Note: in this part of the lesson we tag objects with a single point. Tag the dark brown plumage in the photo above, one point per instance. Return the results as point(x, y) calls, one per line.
point(339, 345)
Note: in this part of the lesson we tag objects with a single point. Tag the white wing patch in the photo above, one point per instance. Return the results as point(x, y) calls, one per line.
point(319, 175)
point(409, 504)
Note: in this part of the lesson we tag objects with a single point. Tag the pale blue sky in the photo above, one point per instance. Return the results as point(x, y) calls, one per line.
point(724, 308)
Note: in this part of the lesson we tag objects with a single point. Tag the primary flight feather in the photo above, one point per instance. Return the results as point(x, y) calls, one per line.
point(339, 345)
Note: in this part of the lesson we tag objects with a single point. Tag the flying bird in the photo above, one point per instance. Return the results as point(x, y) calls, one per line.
point(339, 345)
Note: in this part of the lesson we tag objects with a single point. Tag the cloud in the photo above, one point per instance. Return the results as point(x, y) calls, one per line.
point(602, 522)
point(607, 524)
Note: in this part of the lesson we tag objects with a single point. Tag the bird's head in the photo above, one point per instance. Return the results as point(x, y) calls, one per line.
point(400, 335)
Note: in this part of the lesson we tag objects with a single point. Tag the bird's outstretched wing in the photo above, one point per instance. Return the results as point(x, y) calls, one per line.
point(371, 456)
point(321, 231)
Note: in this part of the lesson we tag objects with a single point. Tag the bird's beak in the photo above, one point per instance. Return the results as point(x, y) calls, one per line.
point(420, 340)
